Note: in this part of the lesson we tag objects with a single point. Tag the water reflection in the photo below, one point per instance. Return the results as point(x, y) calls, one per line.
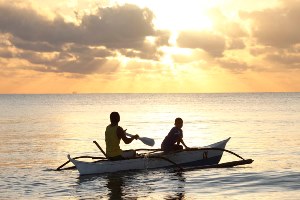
point(178, 196)
point(161, 184)
point(115, 185)
point(87, 178)
point(108, 186)
point(179, 188)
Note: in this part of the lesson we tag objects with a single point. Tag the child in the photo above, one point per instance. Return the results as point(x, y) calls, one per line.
point(174, 138)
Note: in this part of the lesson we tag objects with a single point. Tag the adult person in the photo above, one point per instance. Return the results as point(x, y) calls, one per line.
point(113, 134)
point(174, 138)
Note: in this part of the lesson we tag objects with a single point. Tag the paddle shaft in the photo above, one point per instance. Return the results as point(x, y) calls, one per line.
point(128, 134)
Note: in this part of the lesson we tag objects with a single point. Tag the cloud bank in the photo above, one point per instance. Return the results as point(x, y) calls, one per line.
point(59, 46)
point(268, 39)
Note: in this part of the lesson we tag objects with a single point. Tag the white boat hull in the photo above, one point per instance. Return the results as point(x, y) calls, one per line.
point(183, 158)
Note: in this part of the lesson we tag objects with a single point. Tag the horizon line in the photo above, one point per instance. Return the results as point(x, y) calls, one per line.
point(79, 93)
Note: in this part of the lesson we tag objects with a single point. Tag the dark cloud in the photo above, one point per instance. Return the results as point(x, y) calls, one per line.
point(291, 61)
point(34, 46)
point(149, 52)
point(209, 42)
point(84, 47)
point(236, 44)
point(78, 49)
point(117, 27)
point(236, 66)
point(6, 53)
point(91, 65)
point(27, 24)
point(75, 62)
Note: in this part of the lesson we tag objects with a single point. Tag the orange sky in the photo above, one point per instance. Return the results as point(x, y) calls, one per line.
point(93, 46)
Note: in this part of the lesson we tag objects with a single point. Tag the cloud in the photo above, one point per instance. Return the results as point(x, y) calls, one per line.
point(77, 60)
point(276, 35)
point(27, 24)
point(212, 43)
point(236, 66)
point(264, 40)
point(34, 45)
point(6, 53)
point(84, 47)
point(236, 44)
point(277, 27)
point(225, 26)
point(118, 27)
point(291, 61)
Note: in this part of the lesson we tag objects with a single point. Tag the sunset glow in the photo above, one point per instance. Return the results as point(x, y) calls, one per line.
point(92, 46)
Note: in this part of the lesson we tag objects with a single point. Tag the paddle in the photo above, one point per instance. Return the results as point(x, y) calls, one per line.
point(145, 140)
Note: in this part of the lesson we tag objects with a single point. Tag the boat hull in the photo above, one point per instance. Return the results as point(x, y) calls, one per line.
point(189, 158)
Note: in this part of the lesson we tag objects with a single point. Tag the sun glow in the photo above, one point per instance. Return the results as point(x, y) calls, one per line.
point(179, 46)
point(178, 15)
point(190, 16)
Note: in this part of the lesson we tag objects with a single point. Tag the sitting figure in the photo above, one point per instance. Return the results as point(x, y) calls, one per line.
point(113, 134)
point(174, 138)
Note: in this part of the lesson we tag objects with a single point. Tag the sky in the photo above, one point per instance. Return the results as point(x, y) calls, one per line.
point(142, 46)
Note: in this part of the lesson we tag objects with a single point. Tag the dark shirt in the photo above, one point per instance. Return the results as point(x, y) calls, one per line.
point(173, 136)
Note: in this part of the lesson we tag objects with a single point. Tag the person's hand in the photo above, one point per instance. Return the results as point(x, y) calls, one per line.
point(136, 136)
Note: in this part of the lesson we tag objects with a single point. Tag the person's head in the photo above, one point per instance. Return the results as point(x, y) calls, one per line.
point(114, 117)
point(178, 122)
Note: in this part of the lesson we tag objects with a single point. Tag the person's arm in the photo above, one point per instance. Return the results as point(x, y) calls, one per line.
point(183, 143)
point(121, 135)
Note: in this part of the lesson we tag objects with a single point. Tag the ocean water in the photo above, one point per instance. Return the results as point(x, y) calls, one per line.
point(38, 131)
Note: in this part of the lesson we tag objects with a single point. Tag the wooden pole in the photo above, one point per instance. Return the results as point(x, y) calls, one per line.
point(216, 149)
point(96, 143)
point(59, 168)
point(224, 165)
point(168, 160)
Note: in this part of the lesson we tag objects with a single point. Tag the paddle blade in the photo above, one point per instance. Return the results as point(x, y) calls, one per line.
point(147, 141)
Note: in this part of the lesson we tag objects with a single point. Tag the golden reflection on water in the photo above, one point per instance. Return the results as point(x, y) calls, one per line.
point(37, 135)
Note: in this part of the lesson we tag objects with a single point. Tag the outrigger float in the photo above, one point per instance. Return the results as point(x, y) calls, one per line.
point(198, 158)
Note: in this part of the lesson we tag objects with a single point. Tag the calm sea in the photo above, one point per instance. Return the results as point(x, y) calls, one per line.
point(38, 131)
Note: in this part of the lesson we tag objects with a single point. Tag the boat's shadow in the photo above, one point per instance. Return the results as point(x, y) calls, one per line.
point(137, 184)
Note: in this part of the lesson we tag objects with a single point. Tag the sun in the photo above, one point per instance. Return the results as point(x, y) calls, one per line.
point(177, 15)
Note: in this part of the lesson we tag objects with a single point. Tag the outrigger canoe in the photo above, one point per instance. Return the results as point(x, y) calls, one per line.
point(208, 156)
